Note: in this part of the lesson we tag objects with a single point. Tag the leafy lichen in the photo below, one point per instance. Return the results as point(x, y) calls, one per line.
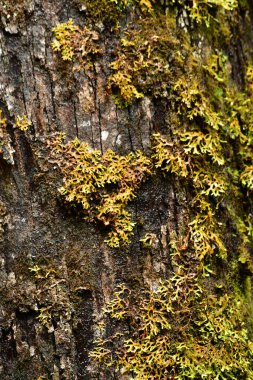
point(102, 185)
point(190, 326)
point(74, 43)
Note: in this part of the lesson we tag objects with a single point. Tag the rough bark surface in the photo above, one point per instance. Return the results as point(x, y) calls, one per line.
point(79, 272)
point(36, 227)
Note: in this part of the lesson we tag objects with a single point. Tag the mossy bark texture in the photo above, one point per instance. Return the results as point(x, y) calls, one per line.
point(57, 273)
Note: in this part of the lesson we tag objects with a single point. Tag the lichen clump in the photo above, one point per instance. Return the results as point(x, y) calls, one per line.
point(102, 185)
point(76, 44)
point(22, 123)
point(179, 331)
point(148, 59)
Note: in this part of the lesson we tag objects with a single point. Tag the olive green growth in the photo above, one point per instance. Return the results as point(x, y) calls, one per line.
point(142, 65)
point(76, 44)
point(179, 331)
point(110, 12)
point(206, 11)
point(194, 323)
point(102, 185)
point(22, 123)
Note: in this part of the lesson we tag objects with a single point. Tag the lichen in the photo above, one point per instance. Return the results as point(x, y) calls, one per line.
point(76, 44)
point(102, 185)
point(182, 329)
point(142, 65)
point(22, 123)
point(110, 12)
point(193, 324)
point(205, 11)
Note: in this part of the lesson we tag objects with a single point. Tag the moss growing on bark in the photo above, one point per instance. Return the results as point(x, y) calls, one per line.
point(102, 185)
point(76, 44)
point(193, 324)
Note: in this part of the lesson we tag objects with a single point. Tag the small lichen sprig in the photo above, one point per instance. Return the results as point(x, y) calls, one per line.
point(3, 120)
point(249, 79)
point(102, 185)
point(22, 123)
point(240, 129)
point(3, 125)
point(76, 44)
point(145, 5)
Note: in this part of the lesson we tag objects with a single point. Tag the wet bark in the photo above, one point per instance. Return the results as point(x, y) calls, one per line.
point(79, 272)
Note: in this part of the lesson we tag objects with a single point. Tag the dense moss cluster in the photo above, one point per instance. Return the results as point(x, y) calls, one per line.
point(148, 59)
point(102, 185)
point(181, 330)
point(75, 43)
point(111, 11)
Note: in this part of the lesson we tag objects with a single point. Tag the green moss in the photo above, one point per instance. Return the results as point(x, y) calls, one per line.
point(102, 185)
point(76, 44)
point(142, 66)
point(193, 324)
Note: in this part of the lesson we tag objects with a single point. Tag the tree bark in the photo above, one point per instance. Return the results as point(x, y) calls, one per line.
point(48, 317)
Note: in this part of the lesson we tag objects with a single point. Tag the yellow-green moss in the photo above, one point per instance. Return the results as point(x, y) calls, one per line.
point(111, 11)
point(181, 330)
point(102, 185)
point(205, 11)
point(76, 44)
point(191, 326)
point(22, 123)
point(142, 65)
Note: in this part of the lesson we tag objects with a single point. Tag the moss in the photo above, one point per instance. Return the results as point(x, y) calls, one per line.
point(22, 123)
point(102, 185)
point(76, 44)
point(107, 11)
point(110, 12)
point(193, 324)
point(142, 66)
point(185, 329)
point(180, 330)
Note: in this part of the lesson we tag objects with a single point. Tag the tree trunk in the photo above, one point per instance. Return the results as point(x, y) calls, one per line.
point(57, 273)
